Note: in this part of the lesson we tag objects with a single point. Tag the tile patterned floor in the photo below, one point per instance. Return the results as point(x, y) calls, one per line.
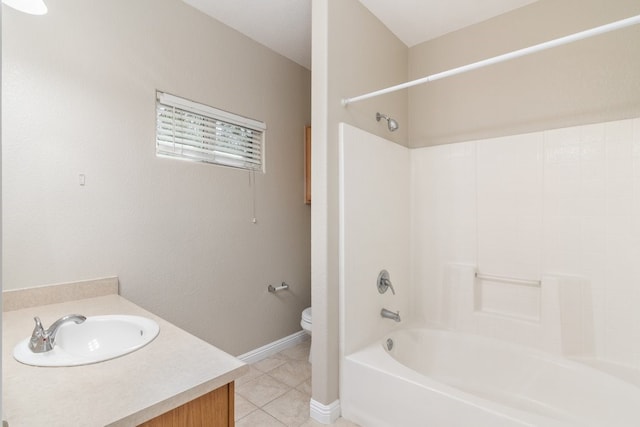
point(276, 392)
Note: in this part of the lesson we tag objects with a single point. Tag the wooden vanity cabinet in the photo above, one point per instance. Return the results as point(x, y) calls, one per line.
point(214, 409)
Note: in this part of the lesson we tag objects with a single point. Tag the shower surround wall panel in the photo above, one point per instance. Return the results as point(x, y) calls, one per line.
point(374, 235)
point(509, 196)
point(443, 215)
point(560, 202)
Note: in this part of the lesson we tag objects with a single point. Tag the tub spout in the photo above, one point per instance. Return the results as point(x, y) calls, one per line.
point(388, 314)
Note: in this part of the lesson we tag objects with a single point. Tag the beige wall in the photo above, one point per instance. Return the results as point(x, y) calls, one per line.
point(352, 53)
point(79, 98)
point(589, 81)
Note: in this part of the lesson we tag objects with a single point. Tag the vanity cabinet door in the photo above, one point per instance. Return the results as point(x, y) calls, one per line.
point(214, 409)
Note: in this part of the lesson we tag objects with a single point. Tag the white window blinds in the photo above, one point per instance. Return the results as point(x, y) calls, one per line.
point(193, 131)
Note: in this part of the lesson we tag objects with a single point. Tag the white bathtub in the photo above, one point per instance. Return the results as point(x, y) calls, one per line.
point(433, 378)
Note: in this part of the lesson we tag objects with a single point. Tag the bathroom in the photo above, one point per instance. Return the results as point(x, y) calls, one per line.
point(144, 237)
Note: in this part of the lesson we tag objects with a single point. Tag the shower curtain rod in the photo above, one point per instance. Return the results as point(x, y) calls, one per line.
point(501, 58)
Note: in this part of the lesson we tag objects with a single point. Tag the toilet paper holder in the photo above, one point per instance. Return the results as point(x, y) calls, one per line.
point(274, 289)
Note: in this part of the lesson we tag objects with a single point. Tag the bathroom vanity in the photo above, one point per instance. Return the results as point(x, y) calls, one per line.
point(175, 380)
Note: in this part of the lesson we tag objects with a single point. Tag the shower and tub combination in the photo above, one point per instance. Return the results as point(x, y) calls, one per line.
point(455, 345)
point(500, 351)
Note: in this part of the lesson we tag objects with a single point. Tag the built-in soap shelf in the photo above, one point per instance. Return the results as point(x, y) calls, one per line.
point(505, 279)
point(506, 296)
point(551, 314)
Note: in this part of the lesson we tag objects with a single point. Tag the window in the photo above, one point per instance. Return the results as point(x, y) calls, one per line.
point(192, 131)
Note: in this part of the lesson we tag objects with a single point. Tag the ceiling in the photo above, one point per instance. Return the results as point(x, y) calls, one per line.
point(285, 25)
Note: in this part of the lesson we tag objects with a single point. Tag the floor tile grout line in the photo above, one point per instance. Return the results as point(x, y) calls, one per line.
point(264, 412)
point(280, 395)
point(259, 409)
point(295, 386)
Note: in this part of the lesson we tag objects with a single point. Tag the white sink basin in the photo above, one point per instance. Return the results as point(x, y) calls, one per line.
point(97, 339)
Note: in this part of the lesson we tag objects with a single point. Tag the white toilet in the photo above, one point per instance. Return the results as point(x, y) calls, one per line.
point(305, 322)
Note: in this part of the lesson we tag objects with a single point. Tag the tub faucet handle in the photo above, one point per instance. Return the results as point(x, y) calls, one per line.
point(387, 283)
point(384, 282)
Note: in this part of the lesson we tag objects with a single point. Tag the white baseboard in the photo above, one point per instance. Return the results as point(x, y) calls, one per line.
point(270, 349)
point(325, 414)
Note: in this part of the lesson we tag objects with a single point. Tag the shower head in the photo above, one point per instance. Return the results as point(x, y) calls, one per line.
point(391, 123)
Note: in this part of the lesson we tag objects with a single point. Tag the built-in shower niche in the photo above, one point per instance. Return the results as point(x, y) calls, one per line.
point(553, 315)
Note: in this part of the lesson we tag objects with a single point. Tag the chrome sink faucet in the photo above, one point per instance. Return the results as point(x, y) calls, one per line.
point(388, 314)
point(44, 340)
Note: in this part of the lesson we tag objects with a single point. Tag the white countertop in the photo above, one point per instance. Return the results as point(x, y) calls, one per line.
point(173, 369)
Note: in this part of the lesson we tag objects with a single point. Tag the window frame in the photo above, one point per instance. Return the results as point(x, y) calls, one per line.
point(192, 131)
